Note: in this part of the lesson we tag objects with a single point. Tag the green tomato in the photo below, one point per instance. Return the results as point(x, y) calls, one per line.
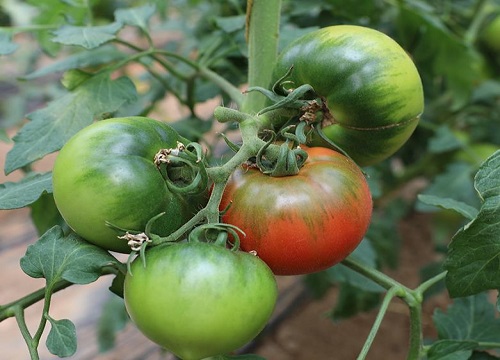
point(490, 35)
point(199, 299)
point(371, 86)
point(105, 173)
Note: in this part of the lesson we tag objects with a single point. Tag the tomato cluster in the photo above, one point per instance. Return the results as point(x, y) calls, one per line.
point(200, 299)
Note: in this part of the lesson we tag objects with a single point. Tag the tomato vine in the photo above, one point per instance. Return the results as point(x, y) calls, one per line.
point(267, 143)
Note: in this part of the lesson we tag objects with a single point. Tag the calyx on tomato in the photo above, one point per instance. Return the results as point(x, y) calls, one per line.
point(371, 87)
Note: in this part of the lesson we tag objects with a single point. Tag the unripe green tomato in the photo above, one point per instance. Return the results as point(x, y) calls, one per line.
point(198, 299)
point(106, 174)
point(490, 35)
point(372, 88)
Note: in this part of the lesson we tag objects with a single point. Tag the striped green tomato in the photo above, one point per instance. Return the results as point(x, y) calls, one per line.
point(371, 86)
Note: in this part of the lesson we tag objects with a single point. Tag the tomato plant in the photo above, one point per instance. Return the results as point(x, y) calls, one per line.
point(308, 94)
point(371, 87)
point(305, 223)
point(105, 177)
point(199, 300)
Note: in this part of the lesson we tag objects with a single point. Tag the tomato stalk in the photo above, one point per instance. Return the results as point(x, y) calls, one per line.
point(263, 20)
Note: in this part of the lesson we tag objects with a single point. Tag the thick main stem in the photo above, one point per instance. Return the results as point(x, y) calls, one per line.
point(263, 19)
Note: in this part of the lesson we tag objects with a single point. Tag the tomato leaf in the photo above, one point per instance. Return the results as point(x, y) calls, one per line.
point(57, 257)
point(471, 319)
point(113, 319)
point(138, 16)
point(456, 182)
point(15, 195)
point(451, 350)
point(6, 44)
point(62, 340)
point(45, 214)
point(481, 355)
point(52, 126)
point(470, 212)
point(88, 37)
point(364, 254)
point(84, 59)
point(49, 12)
point(472, 261)
point(352, 300)
point(444, 140)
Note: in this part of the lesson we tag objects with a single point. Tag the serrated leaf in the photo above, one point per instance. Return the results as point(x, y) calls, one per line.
point(113, 319)
point(53, 13)
point(58, 257)
point(230, 24)
point(470, 318)
point(138, 16)
point(444, 140)
point(51, 127)
point(4, 137)
point(473, 259)
point(352, 300)
point(480, 355)
point(451, 350)
point(44, 214)
point(460, 207)
point(88, 37)
point(456, 182)
point(6, 44)
point(74, 78)
point(424, 32)
point(84, 59)
point(364, 254)
point(62, 340)
point(15, 195)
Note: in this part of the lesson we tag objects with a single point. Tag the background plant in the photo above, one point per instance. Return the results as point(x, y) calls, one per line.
point(107, 59)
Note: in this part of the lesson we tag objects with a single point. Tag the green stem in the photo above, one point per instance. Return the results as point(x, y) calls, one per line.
point(9, 310)
point(413, 299)
point(416, 338)
point(263, 19)
point(21, 323)
point(378, 321)
point(376, 276)
point(233, 92)
point(422, 288)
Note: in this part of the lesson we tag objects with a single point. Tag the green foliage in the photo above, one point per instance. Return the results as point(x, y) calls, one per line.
point(26, 191)
point(57, 257)
point(472, 262)
point(469, 323)
point(77, 70)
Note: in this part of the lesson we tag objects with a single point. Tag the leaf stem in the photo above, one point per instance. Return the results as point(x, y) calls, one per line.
point(422, 288)
point(376, 276)
point(376, 325)
point(21, 323)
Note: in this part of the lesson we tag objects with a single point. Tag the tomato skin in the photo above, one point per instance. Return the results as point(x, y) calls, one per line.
point(303, 223)
point(198, 299)
point(490, 35)
point(106, 173)
point(371, 86)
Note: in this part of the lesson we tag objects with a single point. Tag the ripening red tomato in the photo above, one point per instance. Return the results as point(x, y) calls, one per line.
point(303, 223)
